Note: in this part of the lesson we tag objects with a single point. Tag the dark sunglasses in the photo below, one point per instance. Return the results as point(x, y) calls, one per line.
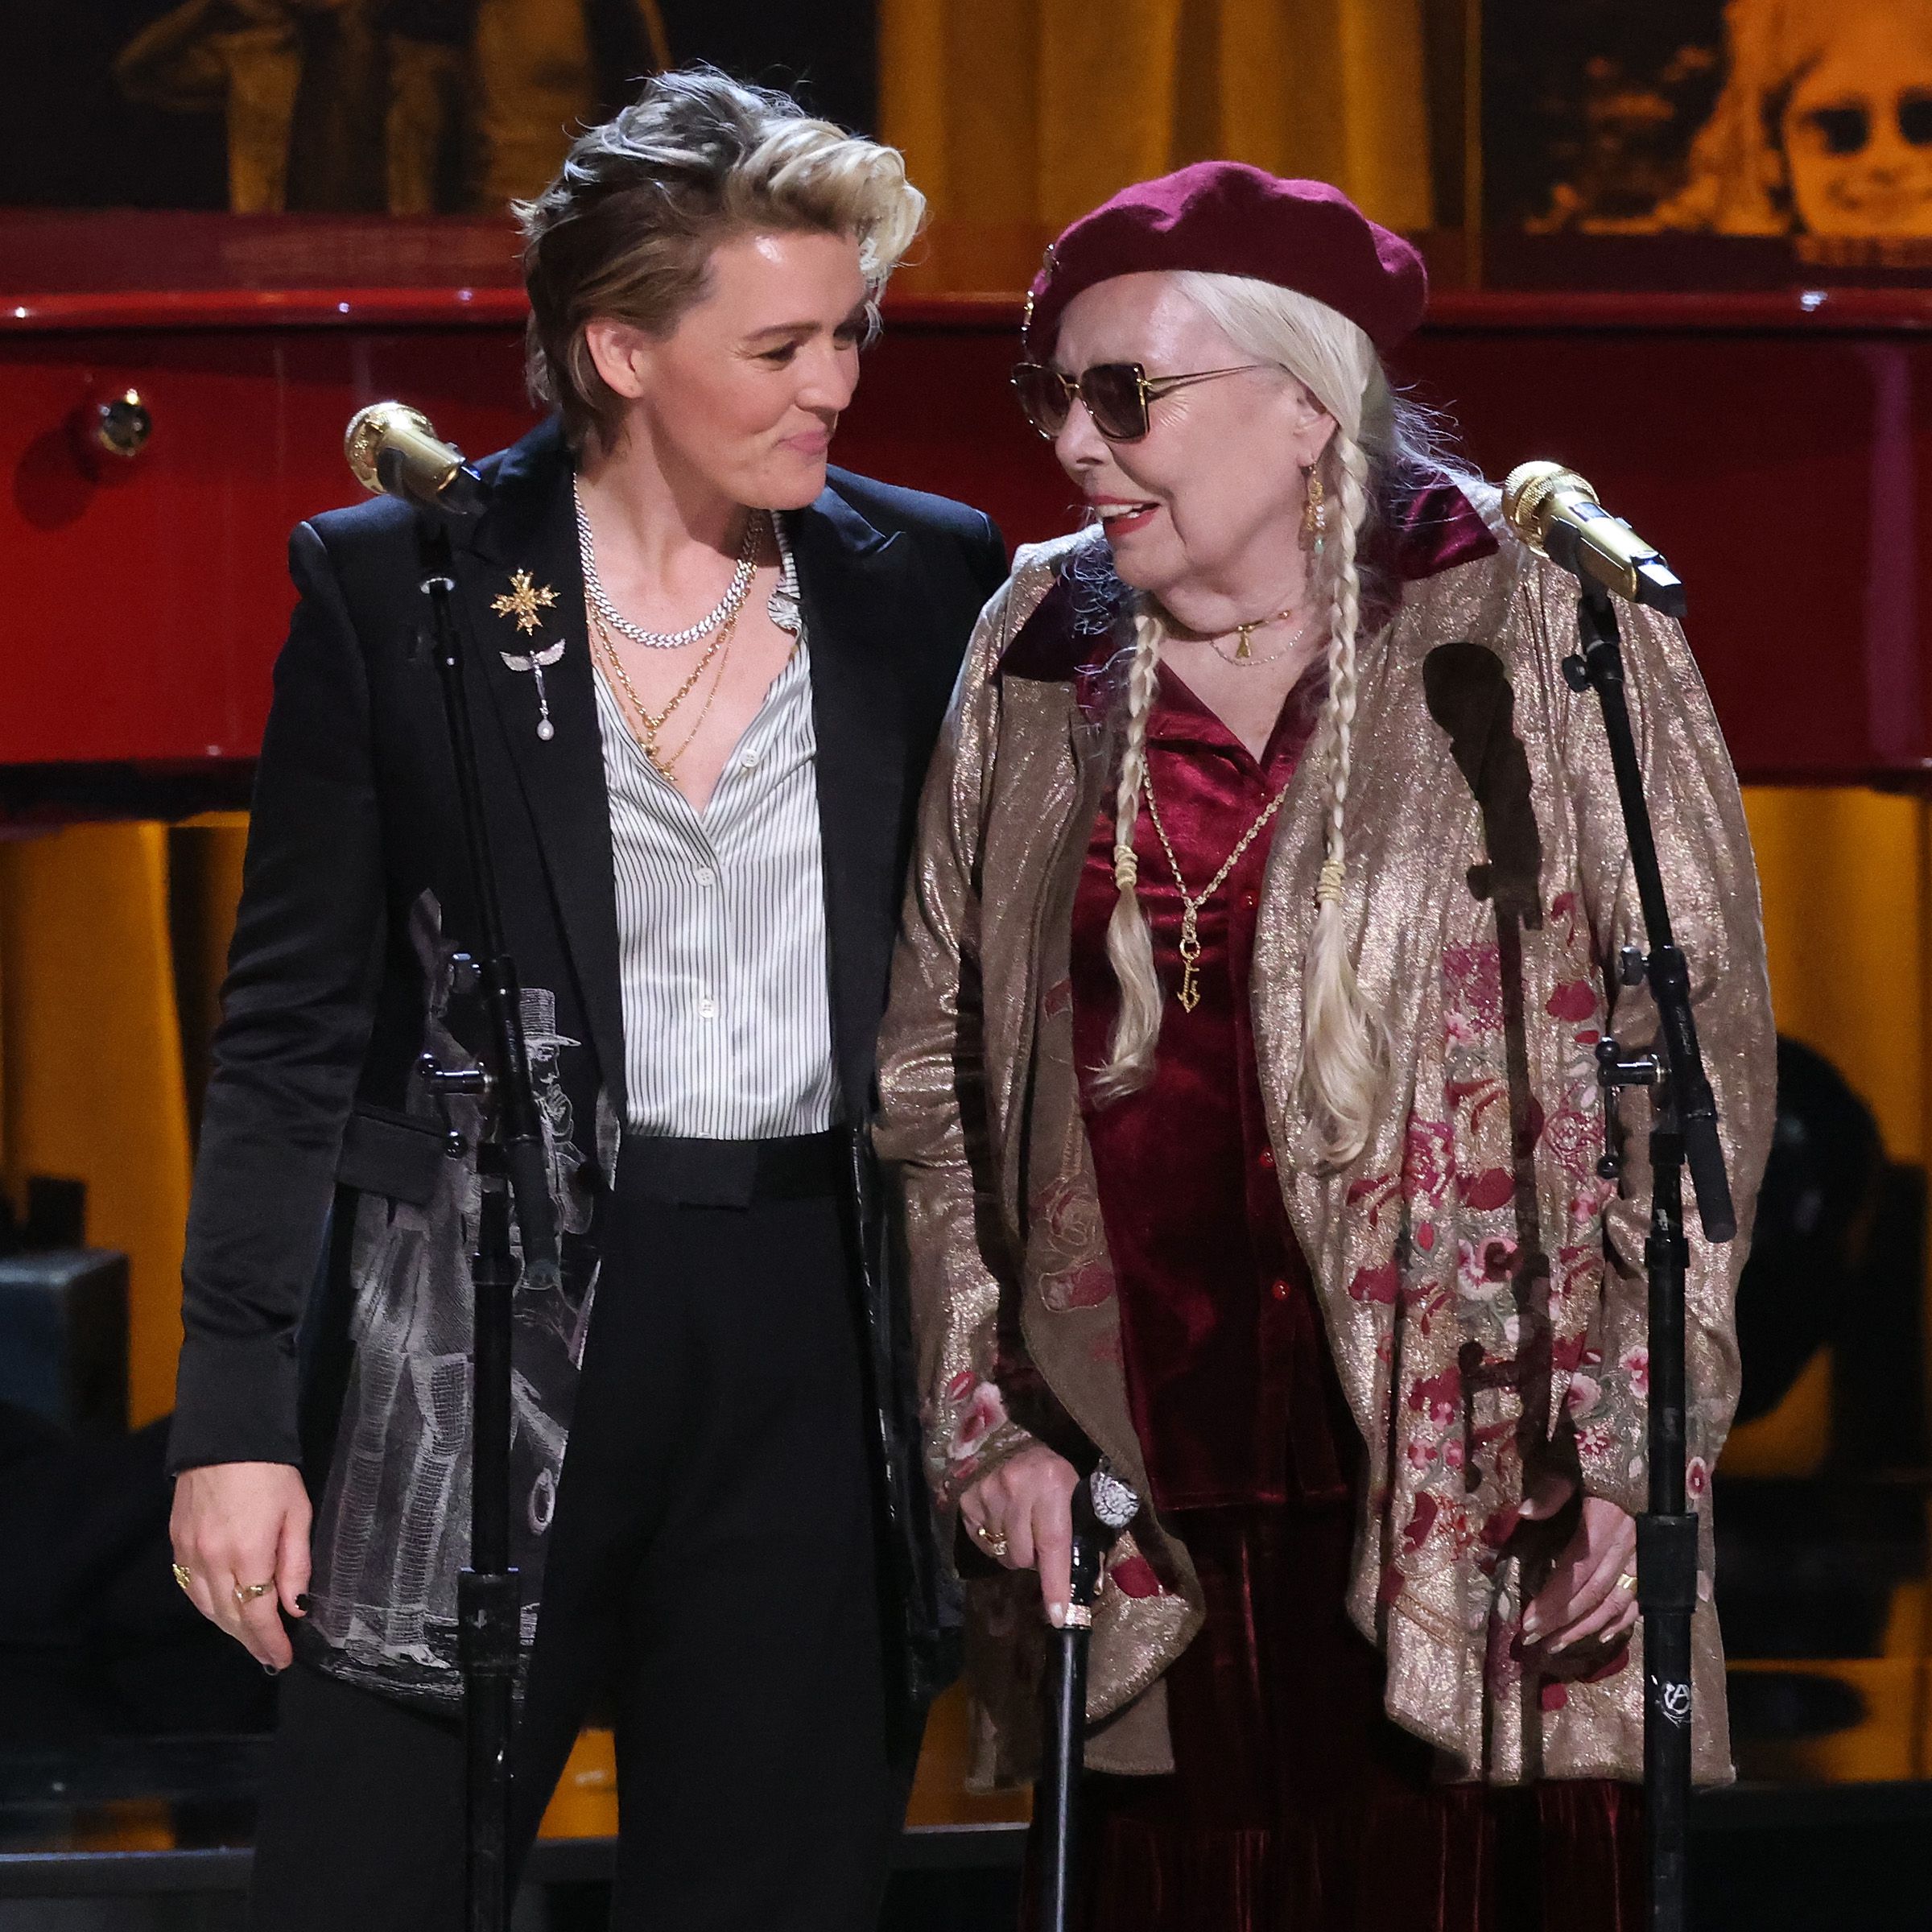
point(1114, 395)
point(1846, 130)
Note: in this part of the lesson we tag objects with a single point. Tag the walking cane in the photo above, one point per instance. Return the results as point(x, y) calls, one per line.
point(1102, 1507)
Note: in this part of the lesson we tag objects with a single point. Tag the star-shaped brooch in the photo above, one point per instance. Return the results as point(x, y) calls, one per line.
point(523, 599)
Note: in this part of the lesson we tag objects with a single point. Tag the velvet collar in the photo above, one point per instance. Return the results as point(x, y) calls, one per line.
point(1072, 631)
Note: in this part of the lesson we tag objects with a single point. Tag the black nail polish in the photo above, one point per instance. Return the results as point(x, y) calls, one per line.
point(302, 1601)
point(272, 1670)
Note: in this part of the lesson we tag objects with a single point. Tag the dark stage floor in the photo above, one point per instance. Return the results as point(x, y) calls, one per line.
point(1768, 1859)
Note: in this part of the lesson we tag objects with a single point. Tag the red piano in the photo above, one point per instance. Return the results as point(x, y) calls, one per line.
point(1772, 442)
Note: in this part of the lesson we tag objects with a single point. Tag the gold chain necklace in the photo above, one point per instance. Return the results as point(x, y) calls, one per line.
point(649, 726)
point(1244, 657)
point(1190, 995)
point(669, 766)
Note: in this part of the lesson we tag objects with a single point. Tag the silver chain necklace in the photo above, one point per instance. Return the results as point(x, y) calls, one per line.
point(728, 606)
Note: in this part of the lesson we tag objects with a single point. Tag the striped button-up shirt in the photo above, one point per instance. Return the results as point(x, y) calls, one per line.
point(721, 936)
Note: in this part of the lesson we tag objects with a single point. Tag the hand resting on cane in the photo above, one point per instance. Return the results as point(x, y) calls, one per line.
point(1021, 1516)
point(238, 1523)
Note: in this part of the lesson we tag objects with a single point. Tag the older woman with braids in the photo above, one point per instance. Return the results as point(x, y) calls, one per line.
point(1238, 1074)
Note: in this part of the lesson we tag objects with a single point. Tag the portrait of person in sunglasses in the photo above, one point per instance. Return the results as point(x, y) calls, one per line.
point(1823, 126)
point(1237, 1081)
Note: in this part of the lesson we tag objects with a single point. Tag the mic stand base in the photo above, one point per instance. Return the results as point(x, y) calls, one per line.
point(1666, 1569)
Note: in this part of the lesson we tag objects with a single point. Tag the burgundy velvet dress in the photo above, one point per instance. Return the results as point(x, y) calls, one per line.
point(1296, 1805)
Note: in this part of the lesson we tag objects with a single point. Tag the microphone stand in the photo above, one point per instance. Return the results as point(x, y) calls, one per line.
point(1683, 1128)
point(512, 1169)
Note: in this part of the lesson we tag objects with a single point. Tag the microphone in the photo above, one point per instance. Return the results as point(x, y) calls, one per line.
point(394, 451)
point(1557, 514)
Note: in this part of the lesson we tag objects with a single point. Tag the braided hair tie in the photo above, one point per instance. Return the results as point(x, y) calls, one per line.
point(1126, 869)
point(1328, 887)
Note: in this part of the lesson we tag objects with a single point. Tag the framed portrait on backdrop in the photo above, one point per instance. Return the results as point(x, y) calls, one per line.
point(1791, 134)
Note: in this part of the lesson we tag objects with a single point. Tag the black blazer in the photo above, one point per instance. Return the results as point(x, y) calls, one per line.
point(355, 894)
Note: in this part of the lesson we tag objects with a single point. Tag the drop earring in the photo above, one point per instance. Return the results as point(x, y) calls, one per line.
point(1314, 516)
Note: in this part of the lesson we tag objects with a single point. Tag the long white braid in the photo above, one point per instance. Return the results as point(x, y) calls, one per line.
point(1130, 939)
point(1342, 1047)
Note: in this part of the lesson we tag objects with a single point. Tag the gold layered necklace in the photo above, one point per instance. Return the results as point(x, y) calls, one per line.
point(647, 726)
point(1190, 992)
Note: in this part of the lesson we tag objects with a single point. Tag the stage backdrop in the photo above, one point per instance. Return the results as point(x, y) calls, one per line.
point(1595, 144)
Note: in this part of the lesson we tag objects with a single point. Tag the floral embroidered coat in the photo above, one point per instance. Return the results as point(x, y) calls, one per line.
point(1483, 1291)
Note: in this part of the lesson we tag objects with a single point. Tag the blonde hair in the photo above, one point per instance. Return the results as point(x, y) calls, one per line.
point(625, 231)
point(1342, 1042)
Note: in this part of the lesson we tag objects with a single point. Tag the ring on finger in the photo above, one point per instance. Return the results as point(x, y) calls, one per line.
point(994, 1543)
point(248, 1593)
point(184, 1575)
point(1627, 1581)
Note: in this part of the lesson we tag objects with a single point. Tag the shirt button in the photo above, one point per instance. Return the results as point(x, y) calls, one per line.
point(749, 761)
point(1279, 1289)
point(1265, 1160)
point(708, 1008)
point(705, 875)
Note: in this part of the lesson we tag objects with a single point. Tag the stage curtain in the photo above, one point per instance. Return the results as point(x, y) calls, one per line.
point(103, 929)
point(93, 1084)
point(1846, 914)
point(1017, 115)
point(1845, 874)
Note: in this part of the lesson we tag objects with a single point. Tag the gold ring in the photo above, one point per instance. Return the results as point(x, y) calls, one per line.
point(1627, 1581)
point(247, 1593)
point(995, 1544)
point(182, 1575)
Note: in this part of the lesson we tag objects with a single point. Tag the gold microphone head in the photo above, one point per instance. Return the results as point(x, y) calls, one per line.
point(1528, 488)
point(395, 424)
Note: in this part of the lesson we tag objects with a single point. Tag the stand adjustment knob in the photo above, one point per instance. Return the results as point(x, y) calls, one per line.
point(1612, 1071)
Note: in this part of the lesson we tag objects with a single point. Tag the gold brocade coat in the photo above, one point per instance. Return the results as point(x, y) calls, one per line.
point(1484, 1293)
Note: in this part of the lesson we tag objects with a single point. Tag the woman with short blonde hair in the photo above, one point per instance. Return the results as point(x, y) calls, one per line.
point(709, 671)
point(1238, 1075)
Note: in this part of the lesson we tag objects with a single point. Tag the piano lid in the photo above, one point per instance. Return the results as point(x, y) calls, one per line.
point(1776, 443)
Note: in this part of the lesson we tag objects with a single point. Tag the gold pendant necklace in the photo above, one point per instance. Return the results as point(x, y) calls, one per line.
point(1244, 653)
point(1190, 948)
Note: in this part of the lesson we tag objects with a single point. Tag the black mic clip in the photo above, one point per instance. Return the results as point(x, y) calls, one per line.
point(395, 450)
point(459, 496)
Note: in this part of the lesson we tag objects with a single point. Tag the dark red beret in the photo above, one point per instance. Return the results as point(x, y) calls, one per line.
point(1226, 218)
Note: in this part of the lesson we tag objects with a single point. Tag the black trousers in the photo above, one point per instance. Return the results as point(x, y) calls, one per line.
point(712, 1572)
